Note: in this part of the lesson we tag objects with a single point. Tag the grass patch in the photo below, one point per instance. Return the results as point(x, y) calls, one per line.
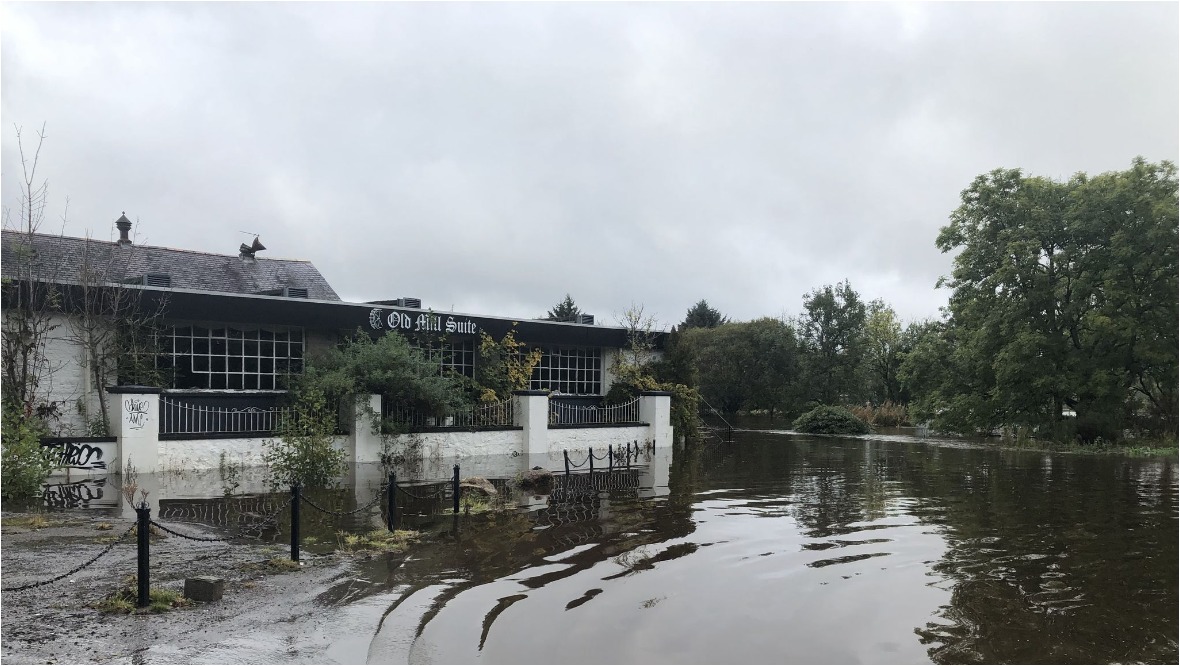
point(32, 521)
point(126, 598)
point(104, 526)
point(282, 564)
point(380, 541)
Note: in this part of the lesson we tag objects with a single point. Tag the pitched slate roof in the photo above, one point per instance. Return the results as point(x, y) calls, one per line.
point(62, 258)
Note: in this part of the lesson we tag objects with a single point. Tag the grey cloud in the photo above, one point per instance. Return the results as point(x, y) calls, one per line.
point(494, 157)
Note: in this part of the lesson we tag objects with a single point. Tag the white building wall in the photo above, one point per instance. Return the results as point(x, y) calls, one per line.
point(580, 439)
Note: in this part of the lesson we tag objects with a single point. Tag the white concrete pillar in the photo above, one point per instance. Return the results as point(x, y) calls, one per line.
point(532, 414)
point(139, 427)
point(655, 409)
point(366, 429)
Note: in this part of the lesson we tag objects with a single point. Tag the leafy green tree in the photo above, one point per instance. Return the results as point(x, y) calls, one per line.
point(702, 316)
point(564, 311)
point(302, 451)
point(883, 353)
point(831, 331)
point(504, 366)
point(1064, 296)
point(24, 466)
point(746, 365)
point(388, 366)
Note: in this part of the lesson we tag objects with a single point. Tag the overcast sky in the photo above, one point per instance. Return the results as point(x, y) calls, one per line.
point(490, 158)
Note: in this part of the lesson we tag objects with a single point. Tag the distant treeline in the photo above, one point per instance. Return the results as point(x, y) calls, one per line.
point(1062, 322)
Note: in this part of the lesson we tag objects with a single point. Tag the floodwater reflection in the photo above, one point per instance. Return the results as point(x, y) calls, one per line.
point(779, 548)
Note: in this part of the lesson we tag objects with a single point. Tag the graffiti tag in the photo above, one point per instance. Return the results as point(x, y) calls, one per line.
point(136, 412)
point(80, 494)
point(75, 454)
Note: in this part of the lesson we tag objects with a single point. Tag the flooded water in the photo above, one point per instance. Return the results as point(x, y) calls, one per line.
point(781, 548)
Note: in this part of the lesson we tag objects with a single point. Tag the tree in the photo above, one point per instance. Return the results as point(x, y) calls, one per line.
point(504, 366)
point(831, 331)
point(112, 323)
point(1064, 296)
point(746, 365)
point(883, 353)
point(564, 311)
point(702, 316)
point(31, 299)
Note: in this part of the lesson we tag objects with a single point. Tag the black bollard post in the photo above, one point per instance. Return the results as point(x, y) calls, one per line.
point(143, 513)
point(610, 457)
point(590, 457)
point(567, 461)
point(392, 504)
point(296, 500)
point(455, 485)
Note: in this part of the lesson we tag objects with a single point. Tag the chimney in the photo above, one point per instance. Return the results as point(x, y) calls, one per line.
point(124, 225)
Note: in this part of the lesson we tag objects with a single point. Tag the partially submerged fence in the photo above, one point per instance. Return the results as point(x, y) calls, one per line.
point(500, 414)
point(186, 417)
point(567, 414)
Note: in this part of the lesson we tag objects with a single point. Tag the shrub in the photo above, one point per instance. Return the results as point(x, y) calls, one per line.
point(887, 414)
point(23, 464)
point(303, 452)
point(829, 420)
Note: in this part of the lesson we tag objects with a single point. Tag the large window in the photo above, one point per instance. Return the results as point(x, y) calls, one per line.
point(458, 356)
point(575, 370)
point(201, 357)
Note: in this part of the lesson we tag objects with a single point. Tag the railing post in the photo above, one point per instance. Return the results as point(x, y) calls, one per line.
point(143, 513)
point(296, 499)
point(610, 458)
point(590, 457)
point(456, 488)
point(628, 455)
point(392, 505)
point(567, 461)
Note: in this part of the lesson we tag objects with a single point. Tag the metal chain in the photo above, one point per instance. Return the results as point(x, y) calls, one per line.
point(437, 494)
point(345, 513)
point(573, 464)
point(74, 570)
point(241, 533)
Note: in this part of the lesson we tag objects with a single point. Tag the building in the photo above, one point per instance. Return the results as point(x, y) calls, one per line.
point(231, 328)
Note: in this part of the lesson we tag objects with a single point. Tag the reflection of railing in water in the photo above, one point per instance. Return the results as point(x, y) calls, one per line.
point(571, 486)
point(220, 511)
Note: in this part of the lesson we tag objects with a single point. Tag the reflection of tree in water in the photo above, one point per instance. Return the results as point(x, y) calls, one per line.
point(1048, 558)
point(1051, 559)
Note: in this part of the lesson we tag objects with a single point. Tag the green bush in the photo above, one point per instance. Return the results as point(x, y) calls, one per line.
point(303, 452)
point(23, 464)
point(827, 420)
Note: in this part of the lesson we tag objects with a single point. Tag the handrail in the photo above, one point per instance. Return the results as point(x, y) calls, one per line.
point(728, 426)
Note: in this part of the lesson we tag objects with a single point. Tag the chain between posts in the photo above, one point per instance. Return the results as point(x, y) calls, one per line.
point(370, 505)
point(71, 572)
point(242, 533)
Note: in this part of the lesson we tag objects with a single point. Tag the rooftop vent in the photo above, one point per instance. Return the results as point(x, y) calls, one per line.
point(152, 280)
point(585, 319)
point(247, 251)
point(286, 292)
point(400, 303)
point(123, 225)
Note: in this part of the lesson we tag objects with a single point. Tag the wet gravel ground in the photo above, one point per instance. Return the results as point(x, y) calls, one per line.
point(57, 623)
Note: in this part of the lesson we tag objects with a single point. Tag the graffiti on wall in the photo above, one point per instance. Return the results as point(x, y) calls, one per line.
point(135, 413)
point(79, 455)
point(88, 493)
